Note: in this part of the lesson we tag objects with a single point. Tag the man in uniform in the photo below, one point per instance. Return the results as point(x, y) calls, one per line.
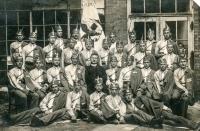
point(76, 36)
point(184, 93)
point(32, 51)
point(114, 72)
point(16, 47)
point(67, 53)
point(141, 54)
point(164, 79)
point(150, 43)
point(172, 59)
point(161, 46)
point(42, 115)
point(96, 99)
point(75, 72)
point(92, 72)
point(112, 37)
point(84, 56)
point(51, 49)
point(56, 73)
point(60, 42)
point(18, 87)
point(131, 48)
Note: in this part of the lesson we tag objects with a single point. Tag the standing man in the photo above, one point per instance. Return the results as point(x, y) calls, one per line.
point(16, 47)
point(60, 42)
point(184, 93)
point(131, 48)
point(151, 43)
point(113, 41)
point(164, 79)
point(32, 51)
point(94, 71)
point(51, 49)
point(75, 72)
point(76, 36)
point(161, 46)
point(172, 59)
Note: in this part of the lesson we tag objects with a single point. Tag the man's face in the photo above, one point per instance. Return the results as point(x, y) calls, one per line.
point(19, 63)
point(132, 38)
point(112, 38)
point(114, 91)
point(129, 62)
point(114, 63)
point(94, 59)
point(180, 46)
point(142, 47)
point(32, 39)
point(20, 37)
point(88, 45)
point(150, 36)
point(146, 64)
point(170, 49)
point(75, 34)
point(74, 60)
point(128, 97)
point(105, 45)
point(59, 33)
point(98, 88)
point(54, 89)
point(56, 61)
point(52, 39)
point(77, 87)
point(167, 35)
point(38, 64)
point(119, 48)
point(72, 44)
point(163, 66)
point(183, 63)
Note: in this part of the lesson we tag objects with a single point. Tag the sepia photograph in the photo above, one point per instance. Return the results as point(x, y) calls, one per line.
point(99, 65)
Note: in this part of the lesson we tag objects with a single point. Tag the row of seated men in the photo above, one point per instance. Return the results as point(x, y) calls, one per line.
point(143, 98)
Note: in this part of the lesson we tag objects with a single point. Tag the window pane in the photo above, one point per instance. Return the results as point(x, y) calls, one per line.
point(11, 34)
point(37, 17)
point(2, 18)
point(3, 48)
point(151, 25)
point(24, 4)
point(61, 17)
point(139, 28)
point(152, 6)
point(172, 26)
point(39, 32)
point(40, 43)
point(10, 4)
point(182, 30)
point(183, 5)
point(24, 18)
point(8, 46)
point(2, 33)
point(3, 80)
point(12, 18)
point(49, 17)
point(99, 3)
point(167, 6)
point(101, 15)
point(3, 63)
point(137, 6)
point(75, 16)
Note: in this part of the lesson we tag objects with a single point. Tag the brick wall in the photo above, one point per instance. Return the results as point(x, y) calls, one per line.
point(116, 15)
point(197, 42)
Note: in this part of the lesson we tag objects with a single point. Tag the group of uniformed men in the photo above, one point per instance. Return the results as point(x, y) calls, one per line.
point(145, 83)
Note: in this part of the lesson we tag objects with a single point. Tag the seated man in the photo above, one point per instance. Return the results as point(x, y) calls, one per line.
point(38, 80)
point(18, 86)
point(51, 49)
point(141, 54)
point(56, 73)
point(42, 115)
point(113, 72)
point(184, 93)
point(115, 103)
point(172, 59)
point(74, 72)
point(148, 85)
point(77, 104)
point(164, 79)
point(126, 72)
point(96, 98)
